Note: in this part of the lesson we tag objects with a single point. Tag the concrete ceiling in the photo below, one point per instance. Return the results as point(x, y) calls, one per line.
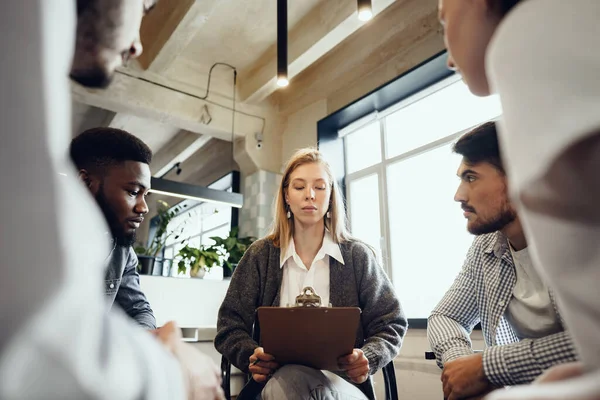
point(155, 134)
point(239, 31)
point(331, 55)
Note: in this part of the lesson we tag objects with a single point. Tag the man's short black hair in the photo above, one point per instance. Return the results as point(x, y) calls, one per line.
point(97, 148)
point(480, 145)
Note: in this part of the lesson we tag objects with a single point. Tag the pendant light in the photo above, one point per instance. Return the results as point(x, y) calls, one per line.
point(365, 10)
point(282, 42)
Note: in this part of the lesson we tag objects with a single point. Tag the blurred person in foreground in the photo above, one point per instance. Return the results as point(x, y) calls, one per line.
point(58, 342)
point(538, 56)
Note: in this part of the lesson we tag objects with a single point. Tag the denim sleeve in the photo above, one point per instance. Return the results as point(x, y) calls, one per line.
point(130, 296)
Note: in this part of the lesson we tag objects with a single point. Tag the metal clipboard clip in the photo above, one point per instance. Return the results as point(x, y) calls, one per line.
point(308, 298)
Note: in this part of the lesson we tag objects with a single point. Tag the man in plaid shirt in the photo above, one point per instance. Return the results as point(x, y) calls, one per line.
point(497, 287)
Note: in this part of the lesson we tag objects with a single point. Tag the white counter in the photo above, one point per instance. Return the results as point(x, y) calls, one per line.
point(192, 303)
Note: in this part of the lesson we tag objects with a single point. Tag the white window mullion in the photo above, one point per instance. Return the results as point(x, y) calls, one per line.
point(373, 169)
point(383, 208)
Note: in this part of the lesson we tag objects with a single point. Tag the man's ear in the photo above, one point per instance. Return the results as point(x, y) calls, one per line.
point(90, 181)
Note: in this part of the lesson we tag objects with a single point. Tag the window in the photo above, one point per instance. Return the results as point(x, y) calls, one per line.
point(198, 222)
point(365, 196)
point(401, 180)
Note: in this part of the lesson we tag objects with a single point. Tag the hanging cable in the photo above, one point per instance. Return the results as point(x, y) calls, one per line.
point(205, 97)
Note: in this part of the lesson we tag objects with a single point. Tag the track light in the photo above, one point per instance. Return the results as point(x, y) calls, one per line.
point(365, 10)
point(282, 41)
point(193, 192)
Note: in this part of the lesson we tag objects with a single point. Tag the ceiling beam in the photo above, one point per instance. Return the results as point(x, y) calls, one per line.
point(85, 117)
point(323, 28)
point(143, 99)
point(158, 26)
point(177, 150)
point(207, 164)
point(195, 18)
point(390, 45)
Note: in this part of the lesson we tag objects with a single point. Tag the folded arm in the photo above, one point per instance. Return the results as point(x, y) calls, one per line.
point(524, 361)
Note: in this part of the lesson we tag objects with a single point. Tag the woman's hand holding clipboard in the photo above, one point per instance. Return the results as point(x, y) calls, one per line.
point(262, 365)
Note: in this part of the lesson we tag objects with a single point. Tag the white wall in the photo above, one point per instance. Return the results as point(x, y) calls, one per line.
point(301, 128)
point(192, 303)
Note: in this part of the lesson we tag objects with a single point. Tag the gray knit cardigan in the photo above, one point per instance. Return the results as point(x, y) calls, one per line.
point(359, 282)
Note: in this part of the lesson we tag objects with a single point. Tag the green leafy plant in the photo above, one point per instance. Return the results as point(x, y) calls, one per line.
point(197, 259)
point(165, 214)
point(232, 248)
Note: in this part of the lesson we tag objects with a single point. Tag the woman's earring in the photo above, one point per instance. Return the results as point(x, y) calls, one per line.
point(289, 214)
point(328, 215)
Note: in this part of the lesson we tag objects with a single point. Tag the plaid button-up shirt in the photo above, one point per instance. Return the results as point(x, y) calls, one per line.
point(481, 293)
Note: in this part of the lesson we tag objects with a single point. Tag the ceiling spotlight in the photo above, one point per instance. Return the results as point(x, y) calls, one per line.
point(365, 10)
point(282, 81)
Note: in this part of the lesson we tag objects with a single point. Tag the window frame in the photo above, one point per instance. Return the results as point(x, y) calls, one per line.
point(382, 101)
point(228, 182)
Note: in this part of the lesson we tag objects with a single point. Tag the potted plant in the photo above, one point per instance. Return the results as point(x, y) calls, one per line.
point(200, 260)
point(148, 256)
point(232, 248)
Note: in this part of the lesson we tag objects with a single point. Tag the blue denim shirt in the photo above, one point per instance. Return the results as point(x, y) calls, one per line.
point(122, 286)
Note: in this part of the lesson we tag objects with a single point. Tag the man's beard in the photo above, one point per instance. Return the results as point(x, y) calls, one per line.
point(122, 238)
point(505, 217)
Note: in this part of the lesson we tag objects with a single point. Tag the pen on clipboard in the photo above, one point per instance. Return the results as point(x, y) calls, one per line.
point(255, 361)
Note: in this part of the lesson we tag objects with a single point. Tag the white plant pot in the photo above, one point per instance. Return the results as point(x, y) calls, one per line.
point(200, 274)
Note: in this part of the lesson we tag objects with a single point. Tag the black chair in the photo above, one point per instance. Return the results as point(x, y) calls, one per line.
point(389, 379)
point(389, 376)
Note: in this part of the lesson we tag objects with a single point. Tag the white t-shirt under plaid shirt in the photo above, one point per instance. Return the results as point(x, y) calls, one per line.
point(530, 312)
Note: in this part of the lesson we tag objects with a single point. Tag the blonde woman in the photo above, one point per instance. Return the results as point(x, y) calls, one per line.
point(310, 246)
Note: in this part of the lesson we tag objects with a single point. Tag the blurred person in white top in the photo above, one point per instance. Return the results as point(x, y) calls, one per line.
point(58, 342)
point(542, 58)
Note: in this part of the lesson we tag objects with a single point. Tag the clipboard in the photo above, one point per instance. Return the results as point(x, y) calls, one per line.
point(308, 334)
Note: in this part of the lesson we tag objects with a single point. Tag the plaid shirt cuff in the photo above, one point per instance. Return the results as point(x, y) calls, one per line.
point(456, 352)
point(495, 367)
